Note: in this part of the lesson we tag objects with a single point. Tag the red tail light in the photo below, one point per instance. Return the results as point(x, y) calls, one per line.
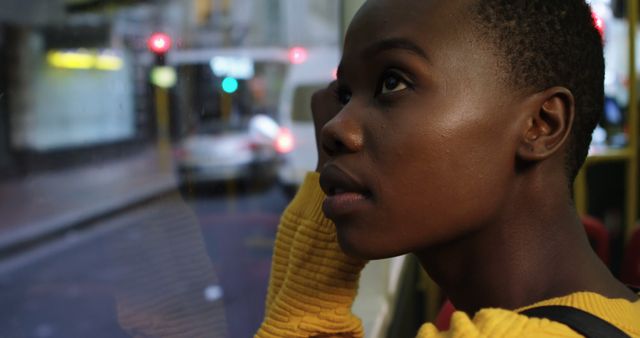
point(298, 55)
point(598, 23)
point(284, 142)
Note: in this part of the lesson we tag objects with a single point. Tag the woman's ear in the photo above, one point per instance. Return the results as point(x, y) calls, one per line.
point(548, 124)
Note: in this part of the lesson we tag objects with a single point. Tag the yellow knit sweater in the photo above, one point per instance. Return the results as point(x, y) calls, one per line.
point(313, 285)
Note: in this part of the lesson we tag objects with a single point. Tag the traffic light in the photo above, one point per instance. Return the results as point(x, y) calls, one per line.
point(163, 76)
point(159, 43)
point(230, 85)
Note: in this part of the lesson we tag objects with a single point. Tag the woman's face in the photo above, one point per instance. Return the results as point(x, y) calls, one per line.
point(424, 147)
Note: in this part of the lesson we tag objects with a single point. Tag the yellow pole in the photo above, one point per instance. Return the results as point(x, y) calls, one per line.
point(226, 105)
point(632, 166)
point(203, 9)
point(162, 124)
point(580, 191)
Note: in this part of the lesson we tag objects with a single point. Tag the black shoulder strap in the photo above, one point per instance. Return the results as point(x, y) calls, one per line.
point(580, 321)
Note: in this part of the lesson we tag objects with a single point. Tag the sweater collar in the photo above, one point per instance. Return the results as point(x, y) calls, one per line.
point(619, 312)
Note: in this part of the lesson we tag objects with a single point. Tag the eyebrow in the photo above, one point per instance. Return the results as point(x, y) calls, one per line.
point(394, 43)
point(389, 44)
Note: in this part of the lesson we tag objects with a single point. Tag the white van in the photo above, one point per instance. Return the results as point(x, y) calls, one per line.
point(300, 82)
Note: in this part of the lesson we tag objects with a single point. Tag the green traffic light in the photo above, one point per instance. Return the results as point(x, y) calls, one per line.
point(229, 85)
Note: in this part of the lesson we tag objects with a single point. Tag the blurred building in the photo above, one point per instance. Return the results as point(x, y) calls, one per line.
point(74, 76)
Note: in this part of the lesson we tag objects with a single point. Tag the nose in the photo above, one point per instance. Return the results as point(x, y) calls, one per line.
point(342, 134)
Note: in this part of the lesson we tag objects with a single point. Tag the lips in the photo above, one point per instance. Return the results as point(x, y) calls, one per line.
point(334, 181)
point(345, 194)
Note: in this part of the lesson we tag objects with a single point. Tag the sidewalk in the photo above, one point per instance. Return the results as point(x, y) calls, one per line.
point(40, 205)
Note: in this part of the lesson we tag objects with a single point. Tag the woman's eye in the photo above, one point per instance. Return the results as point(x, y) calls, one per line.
point(344, 96)
point(392, 83)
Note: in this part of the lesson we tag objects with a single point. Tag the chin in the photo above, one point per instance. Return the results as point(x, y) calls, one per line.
point(359, 247)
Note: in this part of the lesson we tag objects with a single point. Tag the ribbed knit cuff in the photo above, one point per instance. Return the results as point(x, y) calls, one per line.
point(307, 204)
point(313, 283)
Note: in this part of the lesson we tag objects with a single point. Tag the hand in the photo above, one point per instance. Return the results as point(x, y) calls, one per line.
point(324, 106)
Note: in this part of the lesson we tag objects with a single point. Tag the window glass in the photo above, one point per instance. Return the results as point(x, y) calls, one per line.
point(146, 152)
point(604, 188)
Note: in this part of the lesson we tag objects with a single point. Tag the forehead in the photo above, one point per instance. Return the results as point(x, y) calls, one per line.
point(445, 30)
point(420, 20)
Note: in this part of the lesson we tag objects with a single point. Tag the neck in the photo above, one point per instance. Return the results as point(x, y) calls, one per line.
point(535, 251)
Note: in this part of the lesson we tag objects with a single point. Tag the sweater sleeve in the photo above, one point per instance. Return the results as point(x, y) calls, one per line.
point(313, 283)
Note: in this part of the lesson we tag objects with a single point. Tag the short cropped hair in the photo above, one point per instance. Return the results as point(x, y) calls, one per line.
point(546, 43)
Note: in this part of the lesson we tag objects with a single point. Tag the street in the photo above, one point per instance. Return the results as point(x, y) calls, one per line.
point(190, 265)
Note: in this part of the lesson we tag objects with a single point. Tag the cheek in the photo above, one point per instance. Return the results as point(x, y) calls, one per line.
point(442, 202)
point(420, 206)
point(440, 184)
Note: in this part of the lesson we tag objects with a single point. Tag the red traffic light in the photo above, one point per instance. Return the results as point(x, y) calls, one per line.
point(159, 43)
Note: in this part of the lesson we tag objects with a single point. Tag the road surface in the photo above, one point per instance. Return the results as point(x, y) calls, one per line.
point(192, 265)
